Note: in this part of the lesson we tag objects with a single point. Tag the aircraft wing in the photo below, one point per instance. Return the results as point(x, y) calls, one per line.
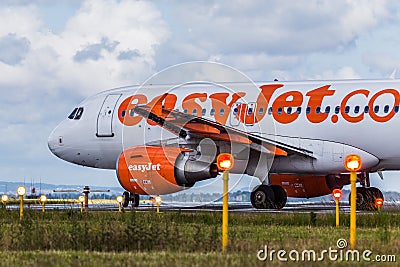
point(184, 125)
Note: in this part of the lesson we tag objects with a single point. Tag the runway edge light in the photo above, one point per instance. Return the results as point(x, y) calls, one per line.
point(4, 199)
point(158, 201)
point(353, 163)
point(379, 203)
point(337, 194)
point(21, 191)
point(225, 161)
point(81, 199)
point(43, 199)
point(119, 200)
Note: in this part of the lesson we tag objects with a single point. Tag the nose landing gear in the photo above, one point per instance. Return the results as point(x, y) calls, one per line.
point(130, 197)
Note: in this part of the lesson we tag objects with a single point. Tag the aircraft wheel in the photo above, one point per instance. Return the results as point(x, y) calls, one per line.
point(280, 196)
point(262, 197)
point(126, 199)
point(362, 198)
point(372, 194)
point(376, 193)
point(135, 200)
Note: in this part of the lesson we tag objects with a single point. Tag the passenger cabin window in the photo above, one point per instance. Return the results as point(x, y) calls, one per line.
point(203, 112)
point(194, 111)
point(270, 111)
point(376, 109)
point(396, 109)
point(347, 109)
point(289, 110)
point(386, 109)
point(308, 110)
point(356, 109)
point(298, 111)
point(279, 110)
point(366, 109)
point(337, 110)
point(249, 111)
point(212, 112)
point(327, 109)
point(261, 111)
point(221, 111)
point(318, 110)
point(79, 113)
point(185, 111)
point(72, 115)
point(123, 113)
point(131, 113)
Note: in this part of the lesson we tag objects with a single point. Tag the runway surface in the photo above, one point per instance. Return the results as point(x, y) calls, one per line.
point(236, 207)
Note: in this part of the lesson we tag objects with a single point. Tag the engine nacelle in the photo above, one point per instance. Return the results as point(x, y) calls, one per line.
point(151, 170)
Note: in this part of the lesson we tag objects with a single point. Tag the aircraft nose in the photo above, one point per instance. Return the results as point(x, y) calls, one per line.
point(55, 141)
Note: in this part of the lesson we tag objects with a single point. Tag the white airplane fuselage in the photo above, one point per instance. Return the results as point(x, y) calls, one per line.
point(98, 137)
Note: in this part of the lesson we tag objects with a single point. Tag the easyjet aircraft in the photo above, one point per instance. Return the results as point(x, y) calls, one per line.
point(161, 141)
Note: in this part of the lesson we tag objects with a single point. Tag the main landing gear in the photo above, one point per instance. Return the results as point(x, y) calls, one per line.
point(268, 197)
point(366, 197)
point(130, 197)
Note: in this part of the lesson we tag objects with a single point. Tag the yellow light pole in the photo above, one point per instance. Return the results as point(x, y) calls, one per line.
point(81, 199)
point(4, 199)
point(119, 200)
point(158, 202)
point(225, 163)
point(337, 194)
point(43, 199)
point(21, 191)
point(353, 163)
point(379, 203)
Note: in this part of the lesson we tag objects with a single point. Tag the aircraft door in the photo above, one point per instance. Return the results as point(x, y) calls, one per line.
point(235, 113)
point(105, 116)
point(250, 115)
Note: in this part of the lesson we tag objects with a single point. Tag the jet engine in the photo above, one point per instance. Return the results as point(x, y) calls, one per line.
point(155, 170)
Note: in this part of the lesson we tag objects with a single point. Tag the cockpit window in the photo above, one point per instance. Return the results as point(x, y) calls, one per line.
point(72, 115)
point(79, 114)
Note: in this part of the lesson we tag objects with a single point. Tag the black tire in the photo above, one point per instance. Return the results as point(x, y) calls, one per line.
point(135, 200)
point(362, 199)
point(262, 197)
point(126, 199)
point(376, 193)
point(372, 194)
point(280, 196)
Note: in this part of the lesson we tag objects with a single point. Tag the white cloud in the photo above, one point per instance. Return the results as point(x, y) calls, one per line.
point(345, 72)
point(260, 66)
point(271, 28)
point(13, 49)
point(43, 78)
point(384, 62)
point(100, 30)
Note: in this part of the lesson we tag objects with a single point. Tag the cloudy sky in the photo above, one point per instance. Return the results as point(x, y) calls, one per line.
point(53, 54)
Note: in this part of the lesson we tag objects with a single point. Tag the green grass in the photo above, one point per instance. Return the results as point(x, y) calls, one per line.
point(63, 238)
